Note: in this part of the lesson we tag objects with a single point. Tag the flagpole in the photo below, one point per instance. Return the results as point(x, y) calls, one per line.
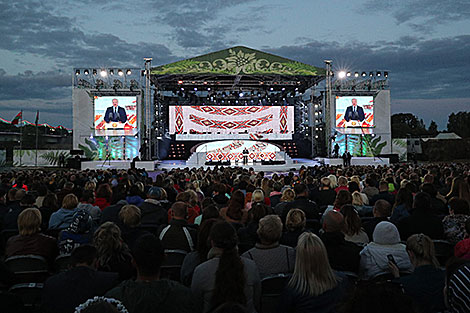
point(37, 138)
point(21, 137)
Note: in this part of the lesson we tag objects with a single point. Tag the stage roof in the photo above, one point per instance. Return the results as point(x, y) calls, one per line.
point(239, 61)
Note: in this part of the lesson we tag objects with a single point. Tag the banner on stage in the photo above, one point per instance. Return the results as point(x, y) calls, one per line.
point(115, 115)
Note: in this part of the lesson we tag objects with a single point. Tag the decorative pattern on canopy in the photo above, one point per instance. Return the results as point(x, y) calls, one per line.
point(239, 61)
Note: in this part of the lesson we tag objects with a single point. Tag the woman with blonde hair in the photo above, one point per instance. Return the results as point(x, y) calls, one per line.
point(288, 195)
point(427, 281)
point(63, 217)
point(314, 286)
point(295, 226)
point(333, 181)
point(256, 197)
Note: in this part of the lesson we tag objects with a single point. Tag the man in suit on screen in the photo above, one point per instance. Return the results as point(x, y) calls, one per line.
point(354, 112)
point(115, 113)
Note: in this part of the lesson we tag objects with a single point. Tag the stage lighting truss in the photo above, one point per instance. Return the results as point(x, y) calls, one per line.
point(111, 79)
point(360, 81)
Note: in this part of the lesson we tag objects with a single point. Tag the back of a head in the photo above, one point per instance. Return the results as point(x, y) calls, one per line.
point(257, 212)
point(29, 221)
point(288, 195)
point(352, 221)
point(295, 220)
point(385, 233)
point(300, 189)
point(312, 273)
point(343, 197)
point(107, 238)
point(325, 181)
point(70, 202)
point(270, 229)
point(257, 196)
point(183, 197)
point(382, 208)
point(88, 195)
point(422, 201)
point(277, 186)
point(83, 254)
point(342, 181)
point(353, 187)
point(130, 215)
point(148, 255)
point(223, 235)
point(357, 198)
point(459, 206)
point(383, 185)
point(101, 305)
point(27, 200)
point(429, 189)
point(333, 221)
point(422, 248)
point(180, 209)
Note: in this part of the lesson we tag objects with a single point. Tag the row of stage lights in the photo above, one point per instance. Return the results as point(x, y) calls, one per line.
point(103, 72)
point(344, 74)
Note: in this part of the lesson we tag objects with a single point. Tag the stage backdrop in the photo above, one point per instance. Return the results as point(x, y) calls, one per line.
point(232, 150)
point(235, 122)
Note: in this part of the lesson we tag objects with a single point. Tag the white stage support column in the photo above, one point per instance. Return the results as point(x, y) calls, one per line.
point(327, 114)
point(148, 111)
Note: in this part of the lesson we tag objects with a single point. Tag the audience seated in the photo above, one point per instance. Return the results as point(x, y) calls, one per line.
point(426, 283)
point(381, 212)
point(130, 217)
point(270, 256)
point(343, 255)
point(148, 293)
point(457, 288)
point(288, 195)
point(302, 202)
point(62, 218)
point(383, 194)
point(314, 286)
point(79, 232)
point(235, 213)
point(86, 203)
point(66, 290)
point(402, 206)
point(454, 223)
point(152, 211)
point(22, 201)
point(295, 226)
point(30, 240)
point(276, 194)
point(352, 225)
point(325, 196)
point(226, 277)
point(248, 235)
point(111, 211)
point(374, 257)
point(104, 194)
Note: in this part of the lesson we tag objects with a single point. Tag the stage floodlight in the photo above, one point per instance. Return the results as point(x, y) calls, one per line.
point(348, 74)
point(111, 72)
point(95, 71)
point(77, 72)
point(356, 74)
point(379, 74)
point(341, 74)
point(180, 82)
point(241, 94)
point(364, 74)
point(120, 72)
point(128, 72)
point(385, 74)
point(86, 72)
point(195, 88)
point(371, 74)
point(103, 73)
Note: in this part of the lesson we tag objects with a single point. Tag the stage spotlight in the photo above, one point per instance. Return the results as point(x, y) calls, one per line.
point(356, 74)
point(94, 72)
point(241, 94)
point(128, 72)
point(379, 74)
point(180, 82)
point(120, 72)
point(385, 74)
point(86, 72)
point(195, 88)
point(341, 74)
point(111, 72)
point(348, 74)
point(371, 74)
point(77, 72)
point(103, 73)
point(364, 74)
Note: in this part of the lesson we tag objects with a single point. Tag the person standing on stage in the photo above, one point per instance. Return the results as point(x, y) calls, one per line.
point(245, 156)
point(336, 150)
point(115, 113)
point(354, 112)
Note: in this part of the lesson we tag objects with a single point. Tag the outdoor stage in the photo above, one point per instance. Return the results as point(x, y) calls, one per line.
point(295, 164)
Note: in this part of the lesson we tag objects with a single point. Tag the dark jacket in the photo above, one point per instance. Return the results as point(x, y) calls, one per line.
point(383, 195)
point(10, 219)
point(291, 301)
point(421, 221)
point(63, 292)
point(290, 238)
point(111, 213)
point(37, 244)
point(425, 287)
point(175, 238)
point(343, 255)
point(325, 197)
point(121, 115)
point(369, 226)
point(310, 208)
point(163, 296)
point(152, 213)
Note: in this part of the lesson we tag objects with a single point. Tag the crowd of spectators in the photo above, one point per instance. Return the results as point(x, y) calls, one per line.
point(208, 240)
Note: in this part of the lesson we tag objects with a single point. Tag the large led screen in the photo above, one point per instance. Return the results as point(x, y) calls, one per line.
point(355, 112)
point(234, 122)
point(115, 116)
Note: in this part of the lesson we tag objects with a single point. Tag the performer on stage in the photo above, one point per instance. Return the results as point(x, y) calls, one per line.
point(336, 150)
point(354, 112)
point(245, 156)
point(115, 113)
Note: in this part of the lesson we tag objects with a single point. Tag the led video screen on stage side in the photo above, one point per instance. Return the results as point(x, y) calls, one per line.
point(233, 122)
point(355, 111)
point(115, 116)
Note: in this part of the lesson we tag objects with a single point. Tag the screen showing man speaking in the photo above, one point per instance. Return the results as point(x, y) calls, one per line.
point(355, 111)
point(115, 116)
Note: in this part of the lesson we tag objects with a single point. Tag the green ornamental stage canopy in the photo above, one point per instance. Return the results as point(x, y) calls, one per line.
point(238, 61)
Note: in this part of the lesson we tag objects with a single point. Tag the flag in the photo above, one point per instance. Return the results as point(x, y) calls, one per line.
point(37, 118)
point(17, 118)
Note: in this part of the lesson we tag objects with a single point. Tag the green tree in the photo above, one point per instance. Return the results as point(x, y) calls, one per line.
point(459, 124)
point(432, 129)
point(407, 124)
